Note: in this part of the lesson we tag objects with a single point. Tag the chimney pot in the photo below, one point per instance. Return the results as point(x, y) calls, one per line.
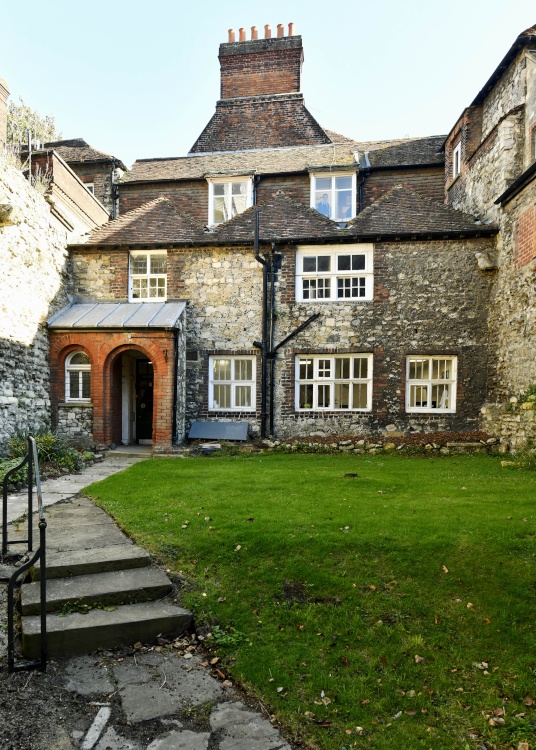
point(254, 32)
point(231, 35)
point(291, 29)
point(280, 29)
point(242, 33)
point(267, 31)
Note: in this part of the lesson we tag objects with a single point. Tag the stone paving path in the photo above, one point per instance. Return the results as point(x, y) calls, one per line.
point(70, 485)
point(173, 697)
point(149, 698)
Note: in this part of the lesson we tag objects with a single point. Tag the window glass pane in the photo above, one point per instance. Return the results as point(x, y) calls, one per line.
point(358, 262)
point(418, 396)
point(343, 183)
point(239, 188)
point(309, 264)
point(80, 358)
point(323, 202)
point(323, 394)
point(324, 368)
point(359, 396)
point(221, 369)
point(418, 369)
point(85, 384)
point(306, 396)
point(74, 384)
point(342, 396)
point(306, 369)
point(342, 368)
point(441, 369)
point(239, 204)
point(139, 263)
point(323, 183)
point(219, 213)
point(222, 396)
point(344, 205)
point(360, 367)
point(243, 369)
point(243, 395)
point(440, 397)
point(324, 264)
point(344, 262)
point(158, 263)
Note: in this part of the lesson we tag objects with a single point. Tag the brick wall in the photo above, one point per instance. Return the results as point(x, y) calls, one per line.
point(104, 349)
point(263, 66)
point(525, 237)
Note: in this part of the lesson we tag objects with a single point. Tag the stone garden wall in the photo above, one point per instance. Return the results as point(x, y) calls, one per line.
point(33, 284)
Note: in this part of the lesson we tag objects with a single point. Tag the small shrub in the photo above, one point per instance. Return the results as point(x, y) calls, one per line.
point(51, 449)
point(19, 477)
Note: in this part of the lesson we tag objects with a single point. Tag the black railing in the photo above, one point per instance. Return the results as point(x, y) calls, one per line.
point(32, 461)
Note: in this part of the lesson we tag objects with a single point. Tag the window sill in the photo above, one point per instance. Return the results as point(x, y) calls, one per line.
point(68, 404)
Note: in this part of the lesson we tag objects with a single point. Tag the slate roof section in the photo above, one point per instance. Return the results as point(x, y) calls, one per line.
point(118, 315)
point(404, 213)
point(77, 151)
point(274, 121)
point(343, 153)
point(157, 222)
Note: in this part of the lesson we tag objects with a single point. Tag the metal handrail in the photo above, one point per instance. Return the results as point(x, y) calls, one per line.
point(33, 468)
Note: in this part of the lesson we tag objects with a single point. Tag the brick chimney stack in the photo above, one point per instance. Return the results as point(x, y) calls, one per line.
point(4, 93)
point(260, 67)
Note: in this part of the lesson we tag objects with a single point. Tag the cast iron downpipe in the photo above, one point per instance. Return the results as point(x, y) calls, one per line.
point(175, 386)
point(270, 266)
point(263, 345)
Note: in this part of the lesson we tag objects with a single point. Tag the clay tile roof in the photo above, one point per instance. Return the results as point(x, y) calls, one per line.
point(402, 212)
point(279, 219)
point(408, 152)
point(340, 154)
point(156, 222)
point(76, 150)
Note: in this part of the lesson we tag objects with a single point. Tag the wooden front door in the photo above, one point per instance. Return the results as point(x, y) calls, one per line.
point(144, 400)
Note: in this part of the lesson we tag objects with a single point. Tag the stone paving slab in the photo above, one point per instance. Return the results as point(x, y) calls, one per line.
point(55, 490)
point(164, 688)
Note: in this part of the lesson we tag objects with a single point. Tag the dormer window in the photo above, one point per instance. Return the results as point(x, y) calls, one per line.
point(457, 160)
point(228, 197)
point(334, 195)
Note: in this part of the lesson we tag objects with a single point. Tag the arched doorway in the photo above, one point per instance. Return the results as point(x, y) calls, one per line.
point(132, 398)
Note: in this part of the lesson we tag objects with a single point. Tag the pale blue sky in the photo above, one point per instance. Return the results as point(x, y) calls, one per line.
point(141, 80)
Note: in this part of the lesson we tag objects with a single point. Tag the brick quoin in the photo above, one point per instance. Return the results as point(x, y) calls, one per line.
point(525, 238)
point(104, 349)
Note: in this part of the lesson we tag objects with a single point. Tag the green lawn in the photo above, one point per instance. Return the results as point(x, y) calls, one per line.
point(400, 601)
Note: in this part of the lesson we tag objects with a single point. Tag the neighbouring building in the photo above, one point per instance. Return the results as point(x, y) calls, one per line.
point(303, 281)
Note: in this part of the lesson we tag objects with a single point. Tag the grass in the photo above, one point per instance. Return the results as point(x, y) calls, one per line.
point(392, 609)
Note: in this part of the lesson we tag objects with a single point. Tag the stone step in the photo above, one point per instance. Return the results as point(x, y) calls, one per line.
point(103, 589)
point(81, 634)
point(97, 560)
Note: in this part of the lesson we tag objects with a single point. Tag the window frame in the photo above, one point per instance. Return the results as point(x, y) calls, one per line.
point(80, 369)
point(319, 379)
point(429, 383)
point(233, 382)
point(456, 160)
point(131, 276)
point(333, 276)
point(212, 181)
point(332, 191)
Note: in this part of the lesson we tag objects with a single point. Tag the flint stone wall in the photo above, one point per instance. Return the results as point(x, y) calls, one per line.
point(34, 284)
point(514, 426)
point(75, 422)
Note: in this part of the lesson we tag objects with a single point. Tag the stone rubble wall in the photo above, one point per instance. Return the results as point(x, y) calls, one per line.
point(75, 422)
point(515, 426)
point(33, 284)
point(508, 93)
